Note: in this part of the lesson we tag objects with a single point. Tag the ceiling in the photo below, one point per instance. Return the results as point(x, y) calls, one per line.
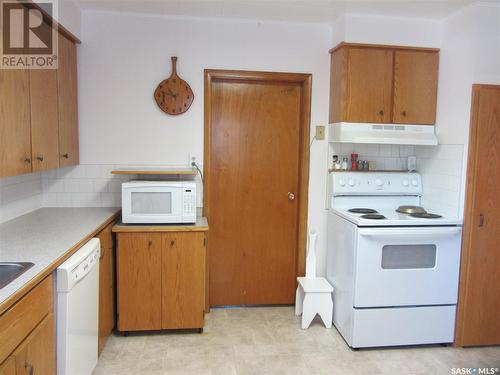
point(317, 11)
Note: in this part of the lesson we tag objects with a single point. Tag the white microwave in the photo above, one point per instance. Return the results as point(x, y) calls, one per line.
point(159, 202)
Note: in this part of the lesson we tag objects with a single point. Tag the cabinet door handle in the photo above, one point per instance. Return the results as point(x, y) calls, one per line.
point(403, 113)
point(381, 112)
point(172, 243)
point(150, 243)
point(27, 160)
point(65, 156)
point(481, 220)
point(39, 158)
point(29, 367)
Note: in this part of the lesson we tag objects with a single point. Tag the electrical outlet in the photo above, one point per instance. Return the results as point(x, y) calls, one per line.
point(320, 132)
point(192, 160)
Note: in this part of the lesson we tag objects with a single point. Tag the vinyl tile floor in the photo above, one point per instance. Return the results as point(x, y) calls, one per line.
point(269, 340)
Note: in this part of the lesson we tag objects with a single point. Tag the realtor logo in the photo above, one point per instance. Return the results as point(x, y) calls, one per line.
point(28, 35)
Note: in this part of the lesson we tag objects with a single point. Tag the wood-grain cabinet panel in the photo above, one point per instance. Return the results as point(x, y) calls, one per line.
point(68, 107)
point(415, 87)
point(161, 280)
point(383, 84)
point(106, 286)
point(15, 129)
point(39, 116)
point(139, 281)
point(44, 123)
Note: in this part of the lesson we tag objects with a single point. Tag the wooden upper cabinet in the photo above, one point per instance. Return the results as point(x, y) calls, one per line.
point(68, 107)
point(44, 119)
point(415, 87)
point(369, 85)
point(383, 84)
point(15, 133)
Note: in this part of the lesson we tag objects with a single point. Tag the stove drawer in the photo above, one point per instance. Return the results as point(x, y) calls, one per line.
point(412, 266)
point(403, 326)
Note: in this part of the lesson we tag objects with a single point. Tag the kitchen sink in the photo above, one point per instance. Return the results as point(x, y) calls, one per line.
point(9, 271)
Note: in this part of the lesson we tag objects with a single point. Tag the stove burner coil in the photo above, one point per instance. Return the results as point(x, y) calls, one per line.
point(363, 211)
point(411, 210)
point(425, 215)
point(373, 216)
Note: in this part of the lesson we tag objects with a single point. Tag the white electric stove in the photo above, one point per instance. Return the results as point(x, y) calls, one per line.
point(395, 276)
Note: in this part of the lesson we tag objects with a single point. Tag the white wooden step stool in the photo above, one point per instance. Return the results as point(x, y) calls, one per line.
point(314, 296)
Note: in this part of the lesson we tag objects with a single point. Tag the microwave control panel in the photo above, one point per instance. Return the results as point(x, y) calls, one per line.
point(189, 201)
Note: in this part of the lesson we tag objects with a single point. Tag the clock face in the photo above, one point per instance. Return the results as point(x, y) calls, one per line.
point(174, 96)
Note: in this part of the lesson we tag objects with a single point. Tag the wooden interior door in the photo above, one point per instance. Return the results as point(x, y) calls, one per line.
point(369, 85)
point(257, 127)
point(139, 281)
point(44, 119)
point(478, 320)
point(68, 107)
point(415, 87)
point(183, 280)
point(15, 129)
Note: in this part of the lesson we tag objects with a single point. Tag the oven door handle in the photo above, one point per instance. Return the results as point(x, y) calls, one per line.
point(420, 233)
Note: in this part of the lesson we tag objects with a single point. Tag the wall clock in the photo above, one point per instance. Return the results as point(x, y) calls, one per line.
point(173, 95)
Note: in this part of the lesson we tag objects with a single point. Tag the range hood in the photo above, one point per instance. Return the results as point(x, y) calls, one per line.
point(396, 134)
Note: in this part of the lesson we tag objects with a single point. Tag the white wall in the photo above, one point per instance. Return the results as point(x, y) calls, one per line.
point(125, 56)
point(19, 195)
point(70, 16)
point(356, 28)
point(470, 53)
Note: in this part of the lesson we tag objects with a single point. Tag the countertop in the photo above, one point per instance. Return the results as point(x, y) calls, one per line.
point(46, 237)
point(201, 225)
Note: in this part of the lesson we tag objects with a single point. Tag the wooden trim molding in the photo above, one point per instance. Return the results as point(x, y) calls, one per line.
point(306, 82)
point(386, 46)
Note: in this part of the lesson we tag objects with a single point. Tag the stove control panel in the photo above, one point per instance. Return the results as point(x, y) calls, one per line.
point(375, 183)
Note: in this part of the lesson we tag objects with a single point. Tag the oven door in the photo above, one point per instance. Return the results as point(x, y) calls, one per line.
point(407, 266)
point(152, 204)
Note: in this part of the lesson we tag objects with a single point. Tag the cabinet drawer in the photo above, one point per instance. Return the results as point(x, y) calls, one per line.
point(17, 322)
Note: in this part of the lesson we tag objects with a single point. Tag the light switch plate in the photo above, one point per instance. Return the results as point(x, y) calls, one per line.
point(320, 132)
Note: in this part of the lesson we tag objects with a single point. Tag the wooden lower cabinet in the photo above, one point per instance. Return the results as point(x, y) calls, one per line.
point(161, 280)
point(27, 333)
point(183, 280)
point(106, 286)
point(37, 354)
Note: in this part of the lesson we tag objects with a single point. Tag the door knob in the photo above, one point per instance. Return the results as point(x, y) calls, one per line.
point(291, 196)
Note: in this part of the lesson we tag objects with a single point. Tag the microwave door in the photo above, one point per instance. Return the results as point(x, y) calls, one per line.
point(155, 205)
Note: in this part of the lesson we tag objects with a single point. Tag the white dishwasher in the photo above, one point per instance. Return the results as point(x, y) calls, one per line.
point(77, 311)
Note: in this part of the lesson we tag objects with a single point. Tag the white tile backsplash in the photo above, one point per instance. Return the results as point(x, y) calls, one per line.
point(384, 157)
point(91, 186)
point(440, 167)
point(441, 170)
point(20, 195)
